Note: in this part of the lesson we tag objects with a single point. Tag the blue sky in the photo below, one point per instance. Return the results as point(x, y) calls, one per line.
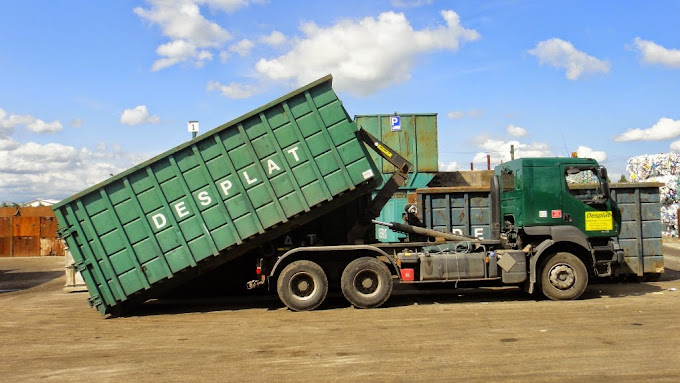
point(89, 89)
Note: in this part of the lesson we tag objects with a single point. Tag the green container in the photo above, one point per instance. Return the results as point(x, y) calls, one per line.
point(415, 138)
point(394, 209)
point(216, 197)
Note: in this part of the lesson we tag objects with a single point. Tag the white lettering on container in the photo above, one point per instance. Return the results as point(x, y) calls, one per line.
point(293, 151)
point(272, 166)
point(225, 185)
point(479, 233)
point(159, 220)
point(248, 180)
point(205, 198)
point(312, 238)
point(181, 210)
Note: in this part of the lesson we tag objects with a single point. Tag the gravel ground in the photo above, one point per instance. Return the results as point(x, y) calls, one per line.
point(618, 332)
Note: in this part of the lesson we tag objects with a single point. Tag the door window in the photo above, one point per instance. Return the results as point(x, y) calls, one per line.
point(584, 185)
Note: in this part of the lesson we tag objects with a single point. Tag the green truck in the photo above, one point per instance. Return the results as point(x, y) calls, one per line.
point(291, 190)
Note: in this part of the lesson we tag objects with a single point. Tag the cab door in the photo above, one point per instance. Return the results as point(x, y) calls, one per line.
point(585, 204)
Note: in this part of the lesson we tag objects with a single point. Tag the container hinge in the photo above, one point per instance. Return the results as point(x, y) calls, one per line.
point(80, 265)
point(94, 300)
point(65, 232)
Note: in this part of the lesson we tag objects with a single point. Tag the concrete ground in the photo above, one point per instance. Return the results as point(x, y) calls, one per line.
point(618, 332)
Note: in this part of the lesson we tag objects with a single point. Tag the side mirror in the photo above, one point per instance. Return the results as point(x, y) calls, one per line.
point(602, 172)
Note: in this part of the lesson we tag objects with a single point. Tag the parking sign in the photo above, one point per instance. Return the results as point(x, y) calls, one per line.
point(395, 123)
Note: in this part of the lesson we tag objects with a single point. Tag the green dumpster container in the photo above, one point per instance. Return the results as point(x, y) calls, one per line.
point(216, 197)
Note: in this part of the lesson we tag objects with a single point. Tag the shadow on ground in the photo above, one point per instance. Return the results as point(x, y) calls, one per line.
point(14, 280)
point(401, 296)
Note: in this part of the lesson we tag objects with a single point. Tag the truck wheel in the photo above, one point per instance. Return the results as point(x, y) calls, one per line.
point(563, 277)
point(302, 285)
point(366, 282)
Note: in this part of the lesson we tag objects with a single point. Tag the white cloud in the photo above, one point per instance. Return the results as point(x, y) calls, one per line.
point(653, 53)
point(586, 152)
point(458, 114)
point(224, 56)
point(500, 150)
point(274, 38)
point(8, 144)
point(243, 47)
point(364, 55)
point(138, 115)
point(192, 36)
point(516, 131)
point(233, 90)
point(675, 146)
point(178, 51)
point(450, 167)
point(40, 126)
point(54, 170)
point(475, 113)
point(562, 54)
point(664, 129)
point(228, 6)
point(409, 3)
point(8, 122)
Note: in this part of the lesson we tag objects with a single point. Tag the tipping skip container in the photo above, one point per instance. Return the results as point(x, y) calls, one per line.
point(215, 197)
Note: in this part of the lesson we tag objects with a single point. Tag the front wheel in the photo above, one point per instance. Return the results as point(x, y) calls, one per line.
point(302, 285)
point(366, 283)
point(563, 277)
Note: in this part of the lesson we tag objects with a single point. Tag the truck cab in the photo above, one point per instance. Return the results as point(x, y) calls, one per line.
point(557, 205)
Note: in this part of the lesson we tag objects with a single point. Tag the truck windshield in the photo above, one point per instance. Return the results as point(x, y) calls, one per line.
point(584, 185)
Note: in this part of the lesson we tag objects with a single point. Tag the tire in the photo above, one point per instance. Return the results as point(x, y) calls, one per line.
point(302, 285)
point(563, 277)
point(366, 283)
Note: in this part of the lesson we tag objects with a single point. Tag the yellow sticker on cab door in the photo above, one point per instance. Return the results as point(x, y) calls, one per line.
point(599, 221)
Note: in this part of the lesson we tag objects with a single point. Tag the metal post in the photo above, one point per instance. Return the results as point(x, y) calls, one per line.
point(472, 166)
point(512, 152)
point(488, 162)
point(192, 127)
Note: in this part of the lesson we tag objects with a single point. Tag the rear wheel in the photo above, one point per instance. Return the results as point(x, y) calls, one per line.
point(302, 285)
point(366, 282)
point(563, 277)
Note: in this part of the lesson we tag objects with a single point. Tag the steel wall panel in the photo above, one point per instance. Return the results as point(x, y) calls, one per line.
point(416, 141)
point(26, 246)
point(26, 226)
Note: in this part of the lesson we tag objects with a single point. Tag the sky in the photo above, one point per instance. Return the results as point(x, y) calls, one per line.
point(89, 89)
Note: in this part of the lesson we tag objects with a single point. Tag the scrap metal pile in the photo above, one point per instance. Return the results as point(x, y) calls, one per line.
point(660, 168)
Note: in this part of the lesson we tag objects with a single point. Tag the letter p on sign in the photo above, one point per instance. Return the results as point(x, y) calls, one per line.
point(395, 123)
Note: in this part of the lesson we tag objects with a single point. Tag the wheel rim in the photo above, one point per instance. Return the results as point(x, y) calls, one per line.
point(562, 276)
point(302, 285)
point(367, 282)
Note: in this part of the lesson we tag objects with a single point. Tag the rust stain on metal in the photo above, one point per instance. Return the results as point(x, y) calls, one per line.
point(29, 232)
point(461, 216)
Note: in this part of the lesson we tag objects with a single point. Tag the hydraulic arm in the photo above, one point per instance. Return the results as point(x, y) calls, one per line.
point(356, 234)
